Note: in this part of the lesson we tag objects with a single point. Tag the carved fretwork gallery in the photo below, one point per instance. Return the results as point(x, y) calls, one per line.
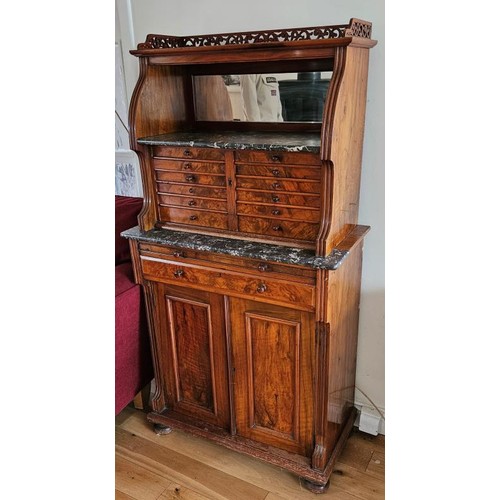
point(248, 247)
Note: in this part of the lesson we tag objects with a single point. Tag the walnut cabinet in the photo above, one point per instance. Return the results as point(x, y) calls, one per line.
point(270, 350)
point(248, 247)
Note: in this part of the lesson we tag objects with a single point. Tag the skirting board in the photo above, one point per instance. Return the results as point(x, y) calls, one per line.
point(369, 419)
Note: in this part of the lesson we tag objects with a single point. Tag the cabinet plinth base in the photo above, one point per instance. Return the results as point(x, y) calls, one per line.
point(315, 487)
point(318, 480)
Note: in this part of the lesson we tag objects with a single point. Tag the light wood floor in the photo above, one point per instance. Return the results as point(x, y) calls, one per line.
point(180, 466)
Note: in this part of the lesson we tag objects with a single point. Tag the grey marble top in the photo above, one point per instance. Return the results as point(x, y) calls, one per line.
point(267, 141)
point(238, 248)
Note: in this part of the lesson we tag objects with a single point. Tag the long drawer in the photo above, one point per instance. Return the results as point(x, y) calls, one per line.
point(229, 283)
point(243, 265)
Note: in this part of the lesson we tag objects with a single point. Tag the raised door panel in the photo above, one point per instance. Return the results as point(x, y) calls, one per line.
point(194, 327)
point(272, 356)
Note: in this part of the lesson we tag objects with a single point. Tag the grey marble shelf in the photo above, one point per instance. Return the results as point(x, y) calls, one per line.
point(263, 141)
point(238, 248)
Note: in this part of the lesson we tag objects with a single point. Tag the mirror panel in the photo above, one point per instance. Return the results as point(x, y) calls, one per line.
point(283, 97)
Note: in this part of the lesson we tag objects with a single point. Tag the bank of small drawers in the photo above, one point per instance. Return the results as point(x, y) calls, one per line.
point(258, 280)
point(273, 194)
point(191, 186)
point(278, 193)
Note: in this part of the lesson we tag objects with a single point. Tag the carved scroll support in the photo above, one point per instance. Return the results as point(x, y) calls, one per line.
point(149, 214)
point(147, 217)
point(328, 168)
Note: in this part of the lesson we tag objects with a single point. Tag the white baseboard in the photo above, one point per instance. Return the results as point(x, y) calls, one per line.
point(369, 419)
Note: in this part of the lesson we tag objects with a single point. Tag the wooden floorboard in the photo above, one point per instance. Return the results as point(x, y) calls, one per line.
point(137, 482)
point(182, 466)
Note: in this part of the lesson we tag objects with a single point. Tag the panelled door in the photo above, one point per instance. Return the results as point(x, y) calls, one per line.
point(273, 350)
point(193, 333)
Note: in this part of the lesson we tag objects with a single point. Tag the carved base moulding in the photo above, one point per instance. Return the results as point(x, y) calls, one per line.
point(315, 480)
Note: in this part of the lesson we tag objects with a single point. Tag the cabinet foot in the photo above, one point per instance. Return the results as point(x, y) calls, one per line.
point(315, 487)
point(161, 429)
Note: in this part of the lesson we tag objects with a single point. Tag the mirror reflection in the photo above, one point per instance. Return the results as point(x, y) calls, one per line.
point(282, 97)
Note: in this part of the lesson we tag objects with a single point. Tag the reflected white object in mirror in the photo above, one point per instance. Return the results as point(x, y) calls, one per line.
point(269, 97)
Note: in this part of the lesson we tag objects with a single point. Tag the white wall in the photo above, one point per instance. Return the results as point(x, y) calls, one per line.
point(176, 17)
point(127, 170)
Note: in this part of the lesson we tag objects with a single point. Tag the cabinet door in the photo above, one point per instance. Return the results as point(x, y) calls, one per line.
point(193, 332)
point(273, 350)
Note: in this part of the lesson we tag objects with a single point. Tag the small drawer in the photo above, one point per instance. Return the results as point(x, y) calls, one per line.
point(189, 166)
point(187, 201)
point(295, 186)
point(277, 171)
point(279, 228)
point(296, 200)
point(278, 212)
point(188, 153)
point(188, 190)
point(193, 217)
point(277, 157)
point(229, 283)
point(190, 178)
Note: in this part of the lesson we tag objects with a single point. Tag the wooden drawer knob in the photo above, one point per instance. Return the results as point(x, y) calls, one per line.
point(190, 178)
point(261, 288)
point(188, 166)
point(178, 273)
point(179, 254)
point(276, 212)
point(277, 228)
point(276, 158)
point(275, 199)
point(275, 172)
point(187, 153)
point(192, 203)
point(193, 217)
point(263, 268)
point(191, 190)
point(276, 185)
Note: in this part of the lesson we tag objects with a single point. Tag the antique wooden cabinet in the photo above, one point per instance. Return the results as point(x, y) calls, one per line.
point(248, 246)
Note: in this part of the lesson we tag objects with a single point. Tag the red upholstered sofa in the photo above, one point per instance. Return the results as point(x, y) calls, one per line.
point(133, 364)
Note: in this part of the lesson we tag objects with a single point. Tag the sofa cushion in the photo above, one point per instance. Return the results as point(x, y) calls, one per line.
point(133, 365)
point(124, 278)
point(127, 209)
